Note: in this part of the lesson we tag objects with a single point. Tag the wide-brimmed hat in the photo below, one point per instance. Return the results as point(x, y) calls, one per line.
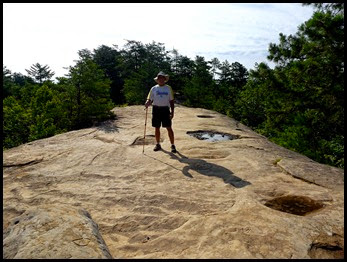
point(161, 73)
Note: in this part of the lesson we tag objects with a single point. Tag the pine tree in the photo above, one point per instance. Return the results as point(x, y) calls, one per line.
point(40, 73)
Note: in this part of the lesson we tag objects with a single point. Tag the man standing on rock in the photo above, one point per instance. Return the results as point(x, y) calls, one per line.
point(162, 99)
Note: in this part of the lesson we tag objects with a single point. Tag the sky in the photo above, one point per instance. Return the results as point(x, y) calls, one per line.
point(52, 33)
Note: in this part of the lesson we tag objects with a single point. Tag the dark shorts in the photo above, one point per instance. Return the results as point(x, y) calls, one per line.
point(161, 116)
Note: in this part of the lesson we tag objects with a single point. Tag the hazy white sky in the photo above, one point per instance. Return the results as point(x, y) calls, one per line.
point(52, 33)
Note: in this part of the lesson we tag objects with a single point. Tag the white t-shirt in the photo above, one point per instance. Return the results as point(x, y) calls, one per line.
point(161, 95)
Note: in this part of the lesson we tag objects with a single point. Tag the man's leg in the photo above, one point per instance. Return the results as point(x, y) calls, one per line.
point(157, 138)
point(171, 135)
point(156, 123)
point(172, 139)
point(157, 134)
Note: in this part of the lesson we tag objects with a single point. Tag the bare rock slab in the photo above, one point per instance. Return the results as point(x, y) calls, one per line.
point(54, 232)
point(244, 197)
point(312, 172)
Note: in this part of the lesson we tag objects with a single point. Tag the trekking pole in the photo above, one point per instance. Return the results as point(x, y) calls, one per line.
point(144, 135)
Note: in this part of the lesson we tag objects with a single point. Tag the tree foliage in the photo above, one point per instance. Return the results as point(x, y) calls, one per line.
point(40, 73)
point(48, 116)
point(198, 92)
point(141, 63)
point(109, 60)
point(15, 123)
point(300, 104)
point(89, 90)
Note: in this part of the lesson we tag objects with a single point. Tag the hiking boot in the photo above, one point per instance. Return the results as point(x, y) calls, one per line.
point(173, 149)
point(157, 147)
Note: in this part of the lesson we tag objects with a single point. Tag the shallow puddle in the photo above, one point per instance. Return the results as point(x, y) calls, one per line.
point(211, 136)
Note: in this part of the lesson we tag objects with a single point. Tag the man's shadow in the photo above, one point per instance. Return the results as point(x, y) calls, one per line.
point(207, 169)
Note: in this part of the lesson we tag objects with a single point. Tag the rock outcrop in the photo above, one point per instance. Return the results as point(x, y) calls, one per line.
point(54, 231)
point(93, 193)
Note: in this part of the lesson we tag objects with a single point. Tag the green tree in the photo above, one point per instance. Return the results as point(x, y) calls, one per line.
point(141, 63)
point(132, 57)
point(174, 60)
point(47, 113)
point(181, 74)
point(198, 92)
point(303, 104)
point(40, 73)
point(157, 57)
point(238, 75)
point(215, 64)
point(232, 78)
point(334, 8)
point(137, 86)
point(225, 73)
point(250, 107)
point(15, 123)
point(7, 82)
point(109, 59)
point(90, 92)
point(21, 80)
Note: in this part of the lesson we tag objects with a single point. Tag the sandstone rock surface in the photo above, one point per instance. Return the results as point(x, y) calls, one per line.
point(239, 198)
point(54, 231)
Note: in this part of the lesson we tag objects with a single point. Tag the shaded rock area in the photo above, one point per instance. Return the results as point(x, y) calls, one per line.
point(93, 193)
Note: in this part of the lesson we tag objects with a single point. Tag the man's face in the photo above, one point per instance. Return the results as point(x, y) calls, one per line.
point(161, 80)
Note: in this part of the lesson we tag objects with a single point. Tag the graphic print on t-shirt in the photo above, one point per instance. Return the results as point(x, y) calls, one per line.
point(161, 95)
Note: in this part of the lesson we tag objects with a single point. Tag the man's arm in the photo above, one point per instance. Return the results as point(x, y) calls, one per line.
point(149, 101)
point(172, 106)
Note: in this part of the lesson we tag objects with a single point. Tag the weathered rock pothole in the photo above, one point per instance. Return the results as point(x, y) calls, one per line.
point(205, 116)
point(327, 246)
point(150, 140)
point(211, 136)
point(297, 205)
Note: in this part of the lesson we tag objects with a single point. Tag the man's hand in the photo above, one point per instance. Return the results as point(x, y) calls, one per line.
point(148, 103)
point(172, 115)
